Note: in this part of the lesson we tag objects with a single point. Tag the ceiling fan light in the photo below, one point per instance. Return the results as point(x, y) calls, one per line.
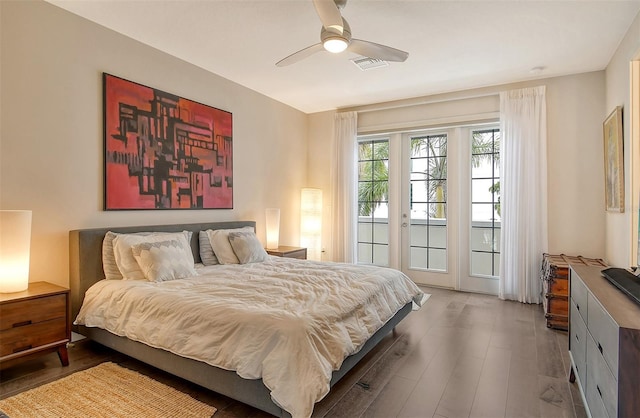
point(335, 45)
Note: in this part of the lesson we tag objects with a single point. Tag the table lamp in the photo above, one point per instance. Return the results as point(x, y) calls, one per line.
point(15, 245)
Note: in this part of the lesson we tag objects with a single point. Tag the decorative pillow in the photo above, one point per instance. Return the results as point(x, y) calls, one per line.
point(111, 270)
point(219, 239)
point(164, 260)
point(247, 248)
point(207, 255)
point(125, 260)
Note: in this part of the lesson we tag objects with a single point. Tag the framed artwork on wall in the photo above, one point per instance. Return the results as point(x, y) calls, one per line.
point(614, 162)
point(162, 151)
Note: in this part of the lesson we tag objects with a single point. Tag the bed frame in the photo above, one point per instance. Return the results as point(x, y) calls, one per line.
point(85, 264)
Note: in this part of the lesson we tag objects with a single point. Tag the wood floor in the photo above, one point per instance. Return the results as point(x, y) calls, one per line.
point(461, 355)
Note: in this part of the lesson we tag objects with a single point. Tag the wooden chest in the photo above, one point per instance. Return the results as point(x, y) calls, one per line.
point(555, 286)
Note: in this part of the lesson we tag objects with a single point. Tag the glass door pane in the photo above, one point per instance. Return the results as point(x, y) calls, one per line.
point(485, 203)
point(428, 202)
point(373, 201)
point(481, 204)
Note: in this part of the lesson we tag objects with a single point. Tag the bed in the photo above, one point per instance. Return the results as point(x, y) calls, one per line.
point(86, 270)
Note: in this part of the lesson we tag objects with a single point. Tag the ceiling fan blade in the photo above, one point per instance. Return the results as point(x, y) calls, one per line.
point(373, 50)
point(300, 55)
point(329, 14)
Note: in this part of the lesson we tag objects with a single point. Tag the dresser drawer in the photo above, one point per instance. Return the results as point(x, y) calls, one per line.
point(23, 338)
point(601, 385)
point(579, 296)
point(578, 343)
point(605, 333)
point(596, 406)
point(24, 312)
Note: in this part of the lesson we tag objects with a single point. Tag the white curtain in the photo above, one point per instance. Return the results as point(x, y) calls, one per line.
point(523, 190)
point(345, 180)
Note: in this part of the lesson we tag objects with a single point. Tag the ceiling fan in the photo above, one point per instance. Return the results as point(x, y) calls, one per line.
point(335, 36)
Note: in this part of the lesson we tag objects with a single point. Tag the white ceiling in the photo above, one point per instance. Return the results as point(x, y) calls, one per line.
point(453, 45)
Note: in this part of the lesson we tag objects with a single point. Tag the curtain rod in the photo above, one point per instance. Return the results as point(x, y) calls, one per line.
point(414, 102)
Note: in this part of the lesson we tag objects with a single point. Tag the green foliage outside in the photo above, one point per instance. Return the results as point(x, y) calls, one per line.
point(373, 172)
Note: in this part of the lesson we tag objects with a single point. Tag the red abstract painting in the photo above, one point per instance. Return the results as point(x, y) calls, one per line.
point(163, 151)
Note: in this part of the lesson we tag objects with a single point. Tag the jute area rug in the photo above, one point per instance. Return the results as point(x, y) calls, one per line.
point(106, 390)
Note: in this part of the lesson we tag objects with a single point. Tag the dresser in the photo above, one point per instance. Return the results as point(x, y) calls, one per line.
point(35, 321)
point(289, 252)
point(604, 344)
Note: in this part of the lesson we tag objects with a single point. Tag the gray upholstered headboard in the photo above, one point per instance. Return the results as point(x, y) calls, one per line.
point(85, 252)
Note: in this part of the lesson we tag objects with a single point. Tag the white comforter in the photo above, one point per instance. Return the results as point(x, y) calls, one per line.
point(289, 322)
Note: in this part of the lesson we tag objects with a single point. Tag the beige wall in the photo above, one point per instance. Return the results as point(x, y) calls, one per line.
point(575, 105)
point(51, 140)
point(620, 226)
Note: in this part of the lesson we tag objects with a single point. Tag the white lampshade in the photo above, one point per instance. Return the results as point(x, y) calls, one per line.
point(311, 222)
point(15, 246)
point(273, 227)
point(335, 45)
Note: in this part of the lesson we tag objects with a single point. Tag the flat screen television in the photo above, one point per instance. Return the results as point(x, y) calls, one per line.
point(625, 280)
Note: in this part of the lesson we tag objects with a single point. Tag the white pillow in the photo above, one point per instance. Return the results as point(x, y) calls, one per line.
point(125, 260)
point(247, 247)
point(219, 239)
point(164, 260)
point(111, 270)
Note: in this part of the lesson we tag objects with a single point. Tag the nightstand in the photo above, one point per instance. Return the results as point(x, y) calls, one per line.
point(35, 321)
point(289, 252)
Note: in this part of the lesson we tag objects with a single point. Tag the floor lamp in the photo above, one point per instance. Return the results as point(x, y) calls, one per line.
point(311, 222)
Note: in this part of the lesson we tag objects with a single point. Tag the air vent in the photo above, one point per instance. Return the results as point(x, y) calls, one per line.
point(366, 63)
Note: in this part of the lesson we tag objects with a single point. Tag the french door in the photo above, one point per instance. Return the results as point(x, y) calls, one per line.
point(428, 228)
point(429, 205)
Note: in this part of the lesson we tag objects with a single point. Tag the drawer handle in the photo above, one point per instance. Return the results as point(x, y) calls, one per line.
point(21, 324)
point(599, 391)
point(17, 350)
point(600, 348)
point(577, 338)
point(577, 306)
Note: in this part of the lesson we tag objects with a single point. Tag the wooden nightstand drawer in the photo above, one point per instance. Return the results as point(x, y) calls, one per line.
point(28, 337)
point(24, 312)
point(34, 321)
